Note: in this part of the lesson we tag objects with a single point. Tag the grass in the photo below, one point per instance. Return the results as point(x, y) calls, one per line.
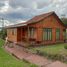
point(52, 52)
point(7, 60)
point(52, 49)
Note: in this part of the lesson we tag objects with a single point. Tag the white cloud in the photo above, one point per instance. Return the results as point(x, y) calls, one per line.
point(5, 7)
point(34, 5)
point(6, 23)
point(21, 10)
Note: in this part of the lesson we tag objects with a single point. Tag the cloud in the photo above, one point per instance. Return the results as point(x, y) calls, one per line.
point(16, 10)
point(40, 5)
point(4, 5)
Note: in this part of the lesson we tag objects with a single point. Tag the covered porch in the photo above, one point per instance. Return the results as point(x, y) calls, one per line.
point(26, 35)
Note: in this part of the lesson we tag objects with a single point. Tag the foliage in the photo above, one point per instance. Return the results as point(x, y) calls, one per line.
point(53, 52)
point(65, 46)
point(53, 56)
point(64, 20)
point(3, 33)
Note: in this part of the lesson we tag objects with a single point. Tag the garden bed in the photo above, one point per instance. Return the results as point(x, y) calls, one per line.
point(53, 52)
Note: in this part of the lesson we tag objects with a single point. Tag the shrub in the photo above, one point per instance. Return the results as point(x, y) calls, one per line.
point(52, 56)
point(3, 33)
point(40, 53)
point(65, 46)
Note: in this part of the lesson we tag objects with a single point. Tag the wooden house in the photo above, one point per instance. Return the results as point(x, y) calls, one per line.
point(40, 30)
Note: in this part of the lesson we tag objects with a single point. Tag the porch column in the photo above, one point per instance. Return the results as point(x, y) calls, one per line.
point(39, 34)
point(21, 33)
point(54, 35)
point(28, 34)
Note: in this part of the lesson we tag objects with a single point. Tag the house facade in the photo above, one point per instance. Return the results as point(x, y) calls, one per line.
point(40, 30)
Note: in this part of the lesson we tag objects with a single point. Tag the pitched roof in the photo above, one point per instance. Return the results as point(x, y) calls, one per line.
point(43, 16)
point(16, 25)
point(34, 19)
point(39, 17)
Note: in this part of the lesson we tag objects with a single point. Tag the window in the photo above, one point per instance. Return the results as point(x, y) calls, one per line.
point(31, 32)
point(57, 34)
point(13, 31)
point(47, 34)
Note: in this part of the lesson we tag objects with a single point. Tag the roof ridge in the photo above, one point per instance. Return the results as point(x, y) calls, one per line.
point(45, 13)
point(39, 17)
point(35, 19)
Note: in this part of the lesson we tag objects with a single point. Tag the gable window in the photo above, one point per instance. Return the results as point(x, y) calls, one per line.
point(47, 34)
point(57, 34)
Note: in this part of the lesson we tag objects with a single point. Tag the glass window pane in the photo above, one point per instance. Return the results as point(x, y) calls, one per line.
point(31, 32)
point(50, 35)
point(57, 34)
point(47, 34)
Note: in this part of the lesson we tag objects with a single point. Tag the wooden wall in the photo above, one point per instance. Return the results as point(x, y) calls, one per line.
point(10, 36)
point(50, 22)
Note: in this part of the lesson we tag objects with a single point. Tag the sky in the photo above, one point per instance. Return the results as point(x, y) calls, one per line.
point(16, 11)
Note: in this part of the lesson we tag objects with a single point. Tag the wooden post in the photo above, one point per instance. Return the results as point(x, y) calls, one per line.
point(21, 33)
point(28, 33)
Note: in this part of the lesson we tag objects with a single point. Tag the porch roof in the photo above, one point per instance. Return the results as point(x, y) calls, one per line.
point(16, 25)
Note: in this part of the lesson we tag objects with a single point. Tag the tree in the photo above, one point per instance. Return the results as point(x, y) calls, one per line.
point(3, 34)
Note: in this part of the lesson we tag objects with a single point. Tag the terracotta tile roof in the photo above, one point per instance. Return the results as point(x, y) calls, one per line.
point(39, 17)
point(16, 25)
point(33, 20)
point(43, 16)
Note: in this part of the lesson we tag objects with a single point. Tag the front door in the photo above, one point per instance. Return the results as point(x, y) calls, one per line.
point(23, 34)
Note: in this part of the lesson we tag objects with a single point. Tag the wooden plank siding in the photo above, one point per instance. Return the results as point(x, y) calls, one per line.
point(52, 22)
point(12, 37)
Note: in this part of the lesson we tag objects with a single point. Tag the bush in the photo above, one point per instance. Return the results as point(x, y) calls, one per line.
point(39, 53)
point(65, 46)
point(52, 56)
point(3, 34)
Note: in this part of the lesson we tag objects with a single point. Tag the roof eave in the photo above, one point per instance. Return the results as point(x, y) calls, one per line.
point(15, 26)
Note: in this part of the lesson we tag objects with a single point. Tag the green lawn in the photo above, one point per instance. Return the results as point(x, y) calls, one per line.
point(7, 60)
point(52, 49)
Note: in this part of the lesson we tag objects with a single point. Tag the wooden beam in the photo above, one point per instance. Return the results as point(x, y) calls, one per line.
point(28, 32)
